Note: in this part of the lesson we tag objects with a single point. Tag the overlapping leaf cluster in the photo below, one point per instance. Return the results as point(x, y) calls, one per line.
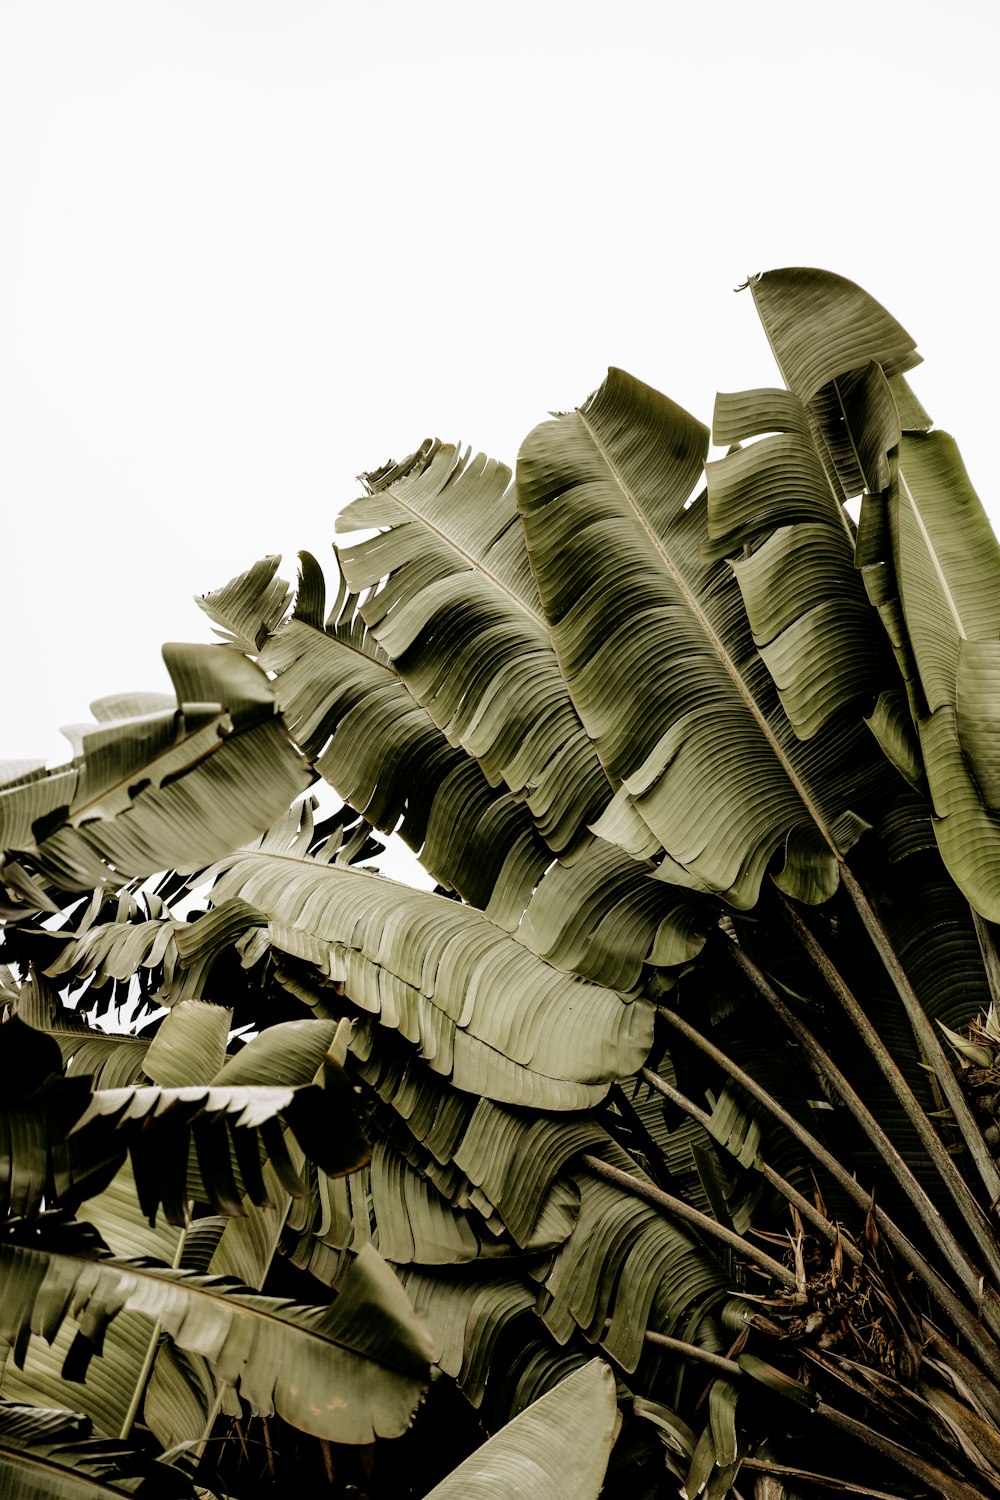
point(660, 1070)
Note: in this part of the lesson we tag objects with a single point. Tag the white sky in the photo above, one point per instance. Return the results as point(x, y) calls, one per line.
point(252, 247)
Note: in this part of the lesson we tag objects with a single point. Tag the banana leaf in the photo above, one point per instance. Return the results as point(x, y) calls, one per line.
point(356, 722)
point(51, 1455)
point(348, 1372)
point(487, 1011)
point(559, 1447)
point(454, 604)
point(662, 669)
point(926, 542)
point(171, 791)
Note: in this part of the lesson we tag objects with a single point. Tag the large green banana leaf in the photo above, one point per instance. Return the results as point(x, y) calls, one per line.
point(346, 1372)
point(596, 912)
point(457, 610)
point(378, 747)
point(169, 790)
point(558, 1449)
point(661, 666)
point(926, 541)
point(487, 1011)
point(947, 567)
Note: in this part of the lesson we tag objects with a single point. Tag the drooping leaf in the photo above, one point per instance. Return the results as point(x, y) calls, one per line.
point(64, 1141)
point(516, 1161)
point(507, 1165)
point(107, 1394)
point(805, 601)
point(890, 723)
point(467, 1316)
point(603, 915)
point(348, 1372)
point(722, 1400)
point(675, 1434)
point(488, 1013)
point(131, 946)
point(415, 1222)
point(626, 1269)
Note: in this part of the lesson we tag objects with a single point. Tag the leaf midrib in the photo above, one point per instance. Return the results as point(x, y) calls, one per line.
point(141, 773)
point(932, 554)
point(391, 670)
point(475, 564)
point(714, 640)
point(214, 1298)
point(326, 635)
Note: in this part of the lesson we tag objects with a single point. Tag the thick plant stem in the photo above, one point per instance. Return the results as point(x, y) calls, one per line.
point(965, 1321)
point(954, 1253)
point(792, 1195)
point(731, 1370)
point(928, 1474)
point(154, 1343)
point(927, 1037)
point(727, 1367)
point(980, 1388)
point(972, 1211)
point(822, 1481)
point(213, 1411)
point(678, 1209)
point(151, 1352)
point(142, 1381)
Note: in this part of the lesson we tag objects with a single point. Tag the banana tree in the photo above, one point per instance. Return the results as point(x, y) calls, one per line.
point(687, 1063)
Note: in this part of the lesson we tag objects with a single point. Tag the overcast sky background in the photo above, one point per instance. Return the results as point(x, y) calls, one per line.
point(250, 248)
